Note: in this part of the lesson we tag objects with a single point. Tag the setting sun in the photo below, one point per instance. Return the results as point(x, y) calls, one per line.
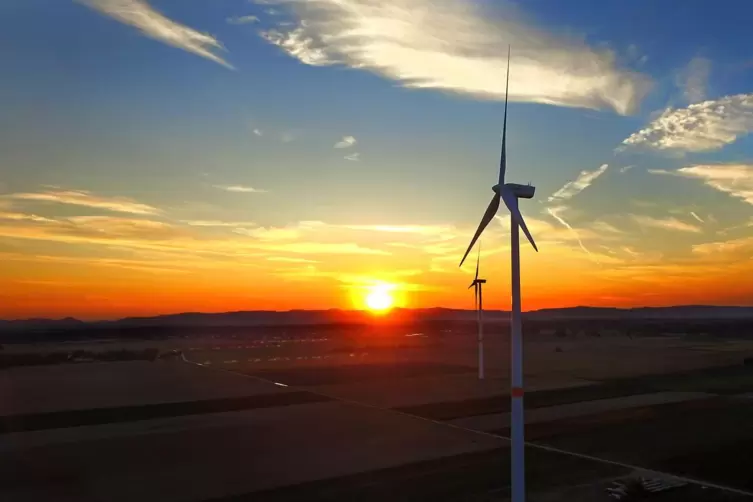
point(379, 299)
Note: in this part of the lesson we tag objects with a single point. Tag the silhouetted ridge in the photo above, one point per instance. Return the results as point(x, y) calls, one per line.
point(340, 316)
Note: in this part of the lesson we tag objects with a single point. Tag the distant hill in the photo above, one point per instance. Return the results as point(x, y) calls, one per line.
point(679, 312)
point(337, 316)
point(40, 324)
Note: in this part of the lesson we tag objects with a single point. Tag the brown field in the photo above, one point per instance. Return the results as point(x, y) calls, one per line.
point(268, 415)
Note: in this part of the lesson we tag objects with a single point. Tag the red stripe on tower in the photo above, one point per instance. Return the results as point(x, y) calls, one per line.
point(517, 392)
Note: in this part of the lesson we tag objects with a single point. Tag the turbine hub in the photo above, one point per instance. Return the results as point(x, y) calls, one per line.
point(495, 189)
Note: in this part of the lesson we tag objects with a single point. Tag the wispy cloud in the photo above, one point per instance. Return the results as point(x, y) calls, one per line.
point(392, 283)
point(243, 20)
point(696, 217)
point(303, 228)
point(734, 228)
point(218, 223)
point(742, 246)
point(625, 169)
point(583, 181)
point(705, 126)
point(122, 227)
point(87, 229)
point(633, 53)
point(88, 261)
point(258, 132)
point(643, 203)
point(24, 217)
point(438, 231)
point(392, 280)
point(693, 79)
point(306, 237)
point(346, 142)
point(87, 199)
point(734, 179)
point(287, 259)
point(354, 157)
point(196, 252)
point(239, 189)
point(455, 46)
point(333, 238)
point(141, 15)
point(670, 223)
point(289, 232)
point(287, 137)
point(605, 228)
point(298, 44)
point(270, 233)
point(343, 248)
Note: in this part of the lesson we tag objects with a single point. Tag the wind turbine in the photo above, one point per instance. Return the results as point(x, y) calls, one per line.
point(478, 303)
point(510, 193)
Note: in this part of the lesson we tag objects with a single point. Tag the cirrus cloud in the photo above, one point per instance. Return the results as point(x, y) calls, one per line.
point(670, 223)
point(693, 79)
point(583, 181)
point(733, 179)
point(346, 142)
point(741, 248)
point(141, 15)
point(243, 20)
point(14, 216)
point(219, 223)
point(454, 46)
point(87, 199)
point(239, 189)
point(709, 125)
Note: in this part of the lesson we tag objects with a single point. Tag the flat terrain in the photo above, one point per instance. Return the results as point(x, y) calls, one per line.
point(250, 451)
point(707, 439)
point(320, 418)
point(39, 389)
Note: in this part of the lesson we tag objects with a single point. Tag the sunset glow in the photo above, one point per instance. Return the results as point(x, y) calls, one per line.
point(279, 163)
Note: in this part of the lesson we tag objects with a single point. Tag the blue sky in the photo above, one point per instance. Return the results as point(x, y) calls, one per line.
point(230, 112)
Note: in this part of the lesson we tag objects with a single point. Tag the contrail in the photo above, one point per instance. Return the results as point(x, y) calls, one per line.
point(557, 217)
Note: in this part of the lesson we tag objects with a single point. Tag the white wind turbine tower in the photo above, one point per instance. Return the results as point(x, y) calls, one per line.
point(510, 193)
point(478, 303)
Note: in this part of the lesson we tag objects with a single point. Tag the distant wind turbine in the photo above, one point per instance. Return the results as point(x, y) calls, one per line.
point(478, 303)
point(510, 193)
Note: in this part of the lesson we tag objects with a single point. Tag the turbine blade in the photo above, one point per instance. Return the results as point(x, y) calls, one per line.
point(472, 284)
point(488, 215)
point(503, 155)
point(512, 204)
point(478, 258)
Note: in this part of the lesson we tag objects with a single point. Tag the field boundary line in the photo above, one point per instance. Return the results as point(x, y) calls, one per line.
point(538, 446)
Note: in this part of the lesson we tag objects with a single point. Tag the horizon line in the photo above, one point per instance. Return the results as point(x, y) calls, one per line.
point(365, 311)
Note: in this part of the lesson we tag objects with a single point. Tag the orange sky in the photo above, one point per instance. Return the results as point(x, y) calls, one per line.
point(272, 179)
point(222, 273)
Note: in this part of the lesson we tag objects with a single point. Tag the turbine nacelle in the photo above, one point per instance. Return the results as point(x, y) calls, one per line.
point(477, 282)
point(520, 191)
